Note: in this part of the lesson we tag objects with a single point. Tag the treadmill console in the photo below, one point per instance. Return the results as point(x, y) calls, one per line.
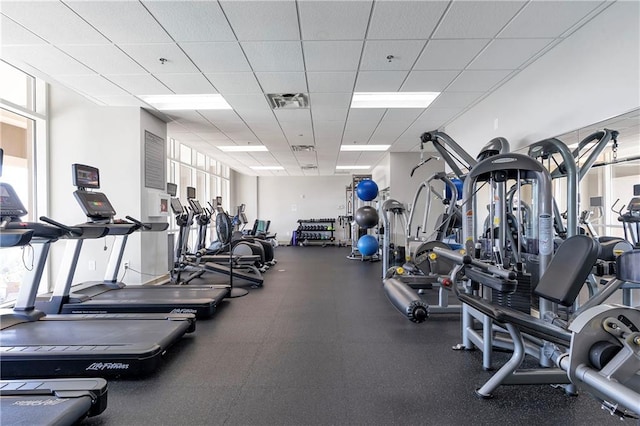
point(176, 206)
point(85, 176)
point(95, 205)
point(196, 206)
point(10, 204)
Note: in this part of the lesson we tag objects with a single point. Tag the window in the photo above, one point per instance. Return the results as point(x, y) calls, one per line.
point(22, 134)
point(189, 167)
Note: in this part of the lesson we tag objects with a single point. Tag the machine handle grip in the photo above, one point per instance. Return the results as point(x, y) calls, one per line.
point(60, 225)
point(467, 260)
point(137, 222)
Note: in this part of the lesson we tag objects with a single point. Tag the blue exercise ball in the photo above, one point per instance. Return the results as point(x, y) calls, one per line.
point(368, 245)
point(367, 190)
point(366, 217)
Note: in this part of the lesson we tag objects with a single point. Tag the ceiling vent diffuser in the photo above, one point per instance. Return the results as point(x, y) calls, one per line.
point(288, 100)
point(309, 167)
point(303, 148)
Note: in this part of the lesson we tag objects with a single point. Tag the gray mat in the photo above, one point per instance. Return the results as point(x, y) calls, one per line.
point(320, 344)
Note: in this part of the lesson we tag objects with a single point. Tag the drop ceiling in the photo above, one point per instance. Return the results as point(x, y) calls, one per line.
point(109, 51)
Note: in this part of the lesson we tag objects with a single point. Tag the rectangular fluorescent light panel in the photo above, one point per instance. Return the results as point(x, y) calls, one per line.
point(393, 99)
point(353, 167)
point(243, 148)
point(364, 147)
point(186, 102)
point(266, 168)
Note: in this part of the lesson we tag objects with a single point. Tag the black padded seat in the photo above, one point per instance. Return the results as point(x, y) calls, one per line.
point(561, 283)
point(568, 270)
point(526, 323)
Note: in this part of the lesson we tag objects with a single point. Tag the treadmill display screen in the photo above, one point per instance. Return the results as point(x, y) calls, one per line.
point(96, 205)
point(10, 204)
point(172, 189)
point(85, 176)
point(176, 206)
point(191, 192)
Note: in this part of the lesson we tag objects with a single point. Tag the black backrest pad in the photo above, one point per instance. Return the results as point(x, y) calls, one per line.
point(568, 270)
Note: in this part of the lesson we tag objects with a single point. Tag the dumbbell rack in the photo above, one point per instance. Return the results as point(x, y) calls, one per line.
point(315, 231)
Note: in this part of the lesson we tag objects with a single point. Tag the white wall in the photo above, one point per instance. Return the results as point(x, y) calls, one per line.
point(382, 171)
point(153, 246)
point(284, 200)
point(403, 186)
point(244, 190)
point(591, 76)
point(108, 138)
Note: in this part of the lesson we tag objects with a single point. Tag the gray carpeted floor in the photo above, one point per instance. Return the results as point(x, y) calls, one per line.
point(321, 344)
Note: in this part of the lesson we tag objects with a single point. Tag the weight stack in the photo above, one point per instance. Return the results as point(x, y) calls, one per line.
point(520, 299)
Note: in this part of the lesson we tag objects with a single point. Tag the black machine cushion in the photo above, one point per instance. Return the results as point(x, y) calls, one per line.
point(568, 270)
point(531, 325)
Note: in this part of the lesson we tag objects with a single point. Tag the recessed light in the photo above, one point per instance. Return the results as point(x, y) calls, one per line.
point(353, 167)
point(364, 147)
point(393, 99)
point(266, 168)
point(243, 148)
point(185, 102)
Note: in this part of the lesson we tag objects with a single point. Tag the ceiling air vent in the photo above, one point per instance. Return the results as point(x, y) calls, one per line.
point(309, 167)
point(288, 100)
point(303, 148)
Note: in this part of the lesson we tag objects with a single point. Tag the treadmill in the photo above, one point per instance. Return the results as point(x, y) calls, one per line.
point(110, 295)
point(33, 344)
point(51, 401)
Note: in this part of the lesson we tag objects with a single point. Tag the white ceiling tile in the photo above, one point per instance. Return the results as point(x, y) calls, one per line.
point(330, 100)
point(274, 55)
point(192, 20)
point(282, 82)
point(432, 118)
point(476, 19)
point(14, 34)
point(121, 21)
point(186, 83)
point(405, 19)
point(330, 82)
point(263, 20)
point(547, 18)
point(449, 54)
point(148, 55)
point(103, 58)
point(327, 130)
point(335, 20)
point(93, 85)
point(477, 81)
point(387, 134)
point(508, 54)
point(454, 100)
point(126, 100)
point(329, 114)
point(428, 81)
point(139, 84)
point(401, 115)
point(235, 82)
point(250, 101)
point(404, 52)
point(332, 55)
point(293, 115)
point(221, 116)
point(258, 116)
point(366, 114)
point(46, 59)
point(380, 81)
point(213, 136)
point(217, 56)
point(52, 21)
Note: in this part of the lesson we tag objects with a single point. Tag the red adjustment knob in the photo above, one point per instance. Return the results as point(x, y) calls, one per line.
point(446, 282)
